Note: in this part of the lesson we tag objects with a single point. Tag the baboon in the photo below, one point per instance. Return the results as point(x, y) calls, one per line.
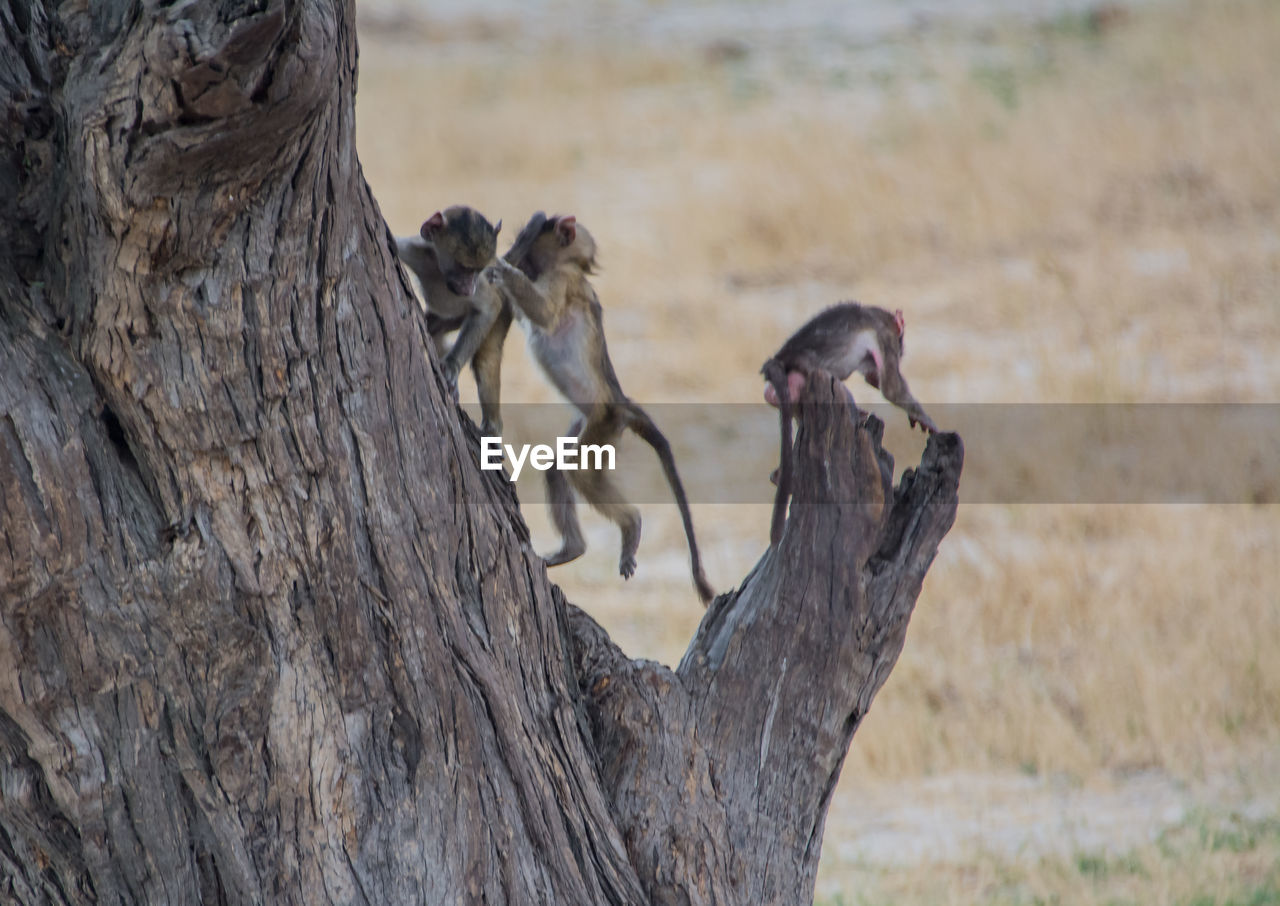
point(448, 256)
point(545, 274)
point(844, 338)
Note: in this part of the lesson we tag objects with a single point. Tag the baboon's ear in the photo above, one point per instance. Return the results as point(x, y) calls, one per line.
point(497, 228)
point(567, 228)
point(899, 321)
point(431, 224)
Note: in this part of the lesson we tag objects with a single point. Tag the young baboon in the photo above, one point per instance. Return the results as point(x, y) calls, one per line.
point(545, 274)
point(844, 338)
point(452, 249)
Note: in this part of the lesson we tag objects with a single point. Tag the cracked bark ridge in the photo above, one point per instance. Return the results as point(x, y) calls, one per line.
point(267, 633)
point(749, 732)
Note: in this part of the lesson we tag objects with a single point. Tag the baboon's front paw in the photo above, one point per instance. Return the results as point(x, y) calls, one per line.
point(450, 373)
point(627, 566)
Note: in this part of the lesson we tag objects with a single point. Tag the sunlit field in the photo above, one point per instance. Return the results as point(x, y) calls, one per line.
point(1083, 209)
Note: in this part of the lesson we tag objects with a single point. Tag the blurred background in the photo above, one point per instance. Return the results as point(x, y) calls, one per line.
point(1073, 203)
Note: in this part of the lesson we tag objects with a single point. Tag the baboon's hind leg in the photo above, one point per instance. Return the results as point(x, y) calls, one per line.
point(564, 515)
point(600, 491)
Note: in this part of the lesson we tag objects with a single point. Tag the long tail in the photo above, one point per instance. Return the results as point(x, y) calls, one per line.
point(648, 431)
point(776, 374)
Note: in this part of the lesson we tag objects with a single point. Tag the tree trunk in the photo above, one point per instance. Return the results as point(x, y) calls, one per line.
point(267, 633)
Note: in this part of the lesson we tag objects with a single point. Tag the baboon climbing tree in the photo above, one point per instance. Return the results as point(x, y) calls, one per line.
point(258, 642)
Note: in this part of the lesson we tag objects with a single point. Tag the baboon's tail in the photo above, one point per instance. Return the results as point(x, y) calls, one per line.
point(648, 431)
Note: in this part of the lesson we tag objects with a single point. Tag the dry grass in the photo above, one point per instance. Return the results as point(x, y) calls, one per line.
point(1203, 860)
point(1065, 216)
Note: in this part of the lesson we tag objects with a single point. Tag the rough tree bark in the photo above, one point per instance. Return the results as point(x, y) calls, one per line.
point(267, 634)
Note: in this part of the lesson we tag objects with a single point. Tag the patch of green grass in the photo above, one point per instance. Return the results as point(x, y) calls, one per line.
point(1097, 866)
point(1084, 25)
point(1092, 866)
point(1001, 82)
point(1268, 894)
point(1221, 833)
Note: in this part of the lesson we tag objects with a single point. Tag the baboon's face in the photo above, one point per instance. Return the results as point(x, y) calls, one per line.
point(464, 243)
point(543, 255)
point(459, 269)
point(562, 239)
point(891, 336)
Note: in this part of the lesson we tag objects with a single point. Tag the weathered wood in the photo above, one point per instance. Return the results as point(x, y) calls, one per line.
point(751, 730)
point(267, 633)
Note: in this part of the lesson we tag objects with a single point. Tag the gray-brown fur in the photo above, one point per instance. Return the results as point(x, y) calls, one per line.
point(448, 256)
point(842, 339)
point(545, 276)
